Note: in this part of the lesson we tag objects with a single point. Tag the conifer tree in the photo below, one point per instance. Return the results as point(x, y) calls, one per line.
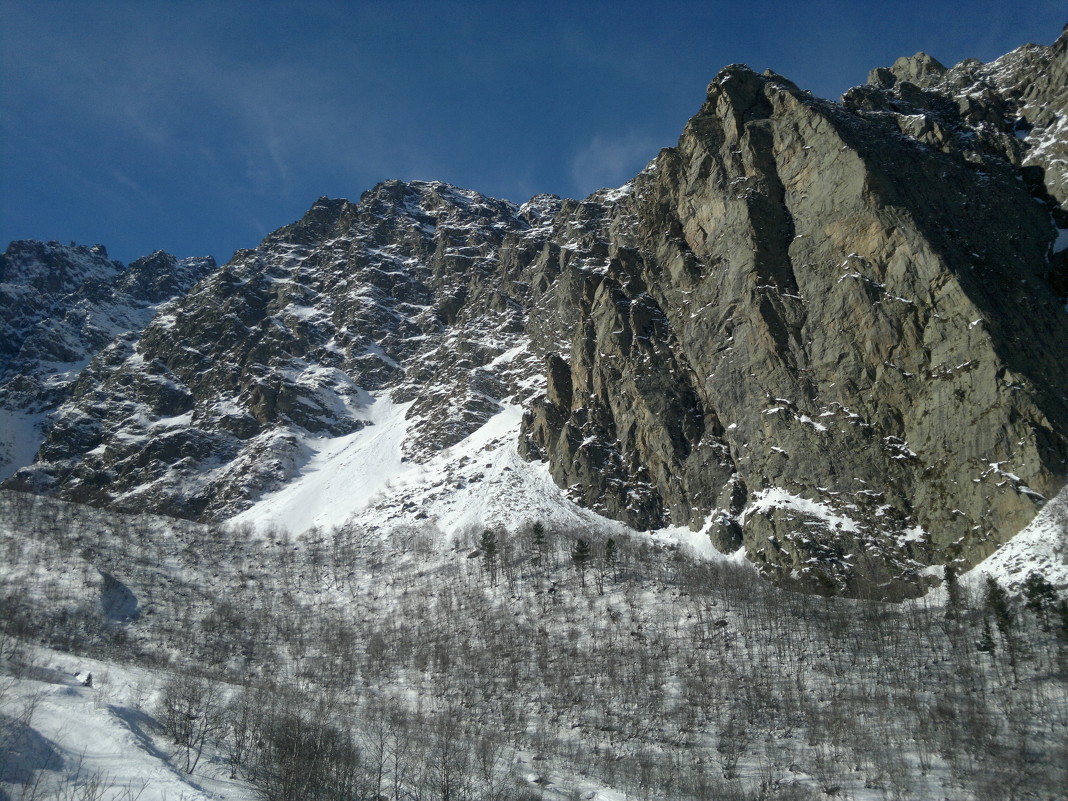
point(609, 557)
point(487, 544)
point(986, 641)
point(997, 603)
point(537, 539)
point(1062, 621)
point(1041, 597)
point(580, 555)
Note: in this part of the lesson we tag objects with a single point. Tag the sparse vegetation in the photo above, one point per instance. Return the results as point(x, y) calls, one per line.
point(345, 664)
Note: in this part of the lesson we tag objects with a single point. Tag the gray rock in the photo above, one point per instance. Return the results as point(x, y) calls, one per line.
point(796, 298)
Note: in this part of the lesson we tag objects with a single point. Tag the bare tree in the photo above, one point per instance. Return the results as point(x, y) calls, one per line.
point(190, 710)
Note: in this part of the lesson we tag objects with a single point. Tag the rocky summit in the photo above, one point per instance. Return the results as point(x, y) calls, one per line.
point(830, 333)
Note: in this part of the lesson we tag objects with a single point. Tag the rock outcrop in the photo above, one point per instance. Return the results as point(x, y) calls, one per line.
point(59, 306)
point(410, 291)
point(837, 339)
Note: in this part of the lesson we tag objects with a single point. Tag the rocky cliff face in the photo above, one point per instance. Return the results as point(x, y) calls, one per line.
point(412, 291)
point(846, 333)
point(827, 332)
point(59, 306)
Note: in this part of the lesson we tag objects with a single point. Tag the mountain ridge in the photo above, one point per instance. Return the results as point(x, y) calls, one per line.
point(61, 305)
point(810, 329)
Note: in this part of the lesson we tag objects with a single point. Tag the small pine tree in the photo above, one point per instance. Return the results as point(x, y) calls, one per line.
point(608, 558)
point(609, 553)
point(997, 603)
point(1062, 621)
point(487, 544)
point(986, 642)
point(580, 555)
point(537, 539)
point(1041, 597)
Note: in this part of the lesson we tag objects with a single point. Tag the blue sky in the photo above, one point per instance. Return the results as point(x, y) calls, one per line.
point(198, 127)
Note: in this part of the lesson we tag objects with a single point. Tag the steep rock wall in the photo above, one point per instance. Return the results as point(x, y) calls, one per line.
point(798, 301)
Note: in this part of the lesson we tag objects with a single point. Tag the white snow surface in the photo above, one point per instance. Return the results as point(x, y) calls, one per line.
point(779, 498)
point(1061, 242)
point(1042, 546)
point(362, 479)
point(22, 436)
point(85, 735)
point(342, 475)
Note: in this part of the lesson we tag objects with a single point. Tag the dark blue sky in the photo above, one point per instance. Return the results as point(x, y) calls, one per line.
point(198, 127)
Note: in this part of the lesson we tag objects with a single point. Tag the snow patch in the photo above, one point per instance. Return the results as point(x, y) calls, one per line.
point(914, 534)
point(779, 498)
point(1042, 546)
point(614, 195)
point(22, 437)
point(1061, 242)
point(808, 421)
point(342, 475)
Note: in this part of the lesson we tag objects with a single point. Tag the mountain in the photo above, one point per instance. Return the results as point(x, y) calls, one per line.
point(830, 333)
point(59, 306)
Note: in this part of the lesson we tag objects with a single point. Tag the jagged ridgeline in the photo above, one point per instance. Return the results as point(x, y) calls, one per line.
point(832, 333)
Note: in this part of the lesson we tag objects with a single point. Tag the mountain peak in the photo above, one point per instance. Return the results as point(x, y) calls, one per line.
point(921, 69)
point(324, 215)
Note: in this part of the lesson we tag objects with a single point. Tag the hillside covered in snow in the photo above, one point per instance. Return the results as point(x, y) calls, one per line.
point(537, 662)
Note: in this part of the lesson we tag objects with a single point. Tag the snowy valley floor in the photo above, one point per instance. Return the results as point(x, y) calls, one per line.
point(346, 663)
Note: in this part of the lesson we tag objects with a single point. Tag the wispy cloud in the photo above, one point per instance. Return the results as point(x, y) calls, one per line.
point(123, 179)
point(610, 161)
point(166, 92)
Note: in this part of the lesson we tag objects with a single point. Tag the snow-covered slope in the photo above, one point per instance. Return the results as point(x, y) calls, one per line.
point(1042, 547)
point(647, 673)
point(61, 739)
point(363, 479)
